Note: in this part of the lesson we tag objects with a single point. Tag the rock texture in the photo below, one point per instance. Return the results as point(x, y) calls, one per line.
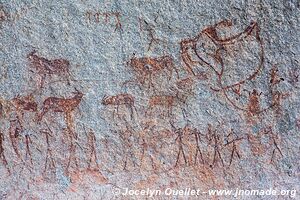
point(100, 96)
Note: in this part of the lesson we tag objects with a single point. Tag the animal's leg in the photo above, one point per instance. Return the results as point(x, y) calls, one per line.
point(14, 144)
point(154, 88)
point(42, 81)
point(13, 134)
point(136, 112)
point(151, 84)
point(68, 78)
point(72, 154)
point(125, 164)
point(118, 111)
point(142, 78)
point(28, 152)
point(130, 107)
point(184, 113)
point(171, 72)
point(149, 109)
point(5, 162)
point(19, 122)
point(70, 125)
point(170, 110)
point(176, 71)
point(51, 161)
point(40, 116)
point(150, 81)
point(113, 115)
point(20, 118)
point(2, 156)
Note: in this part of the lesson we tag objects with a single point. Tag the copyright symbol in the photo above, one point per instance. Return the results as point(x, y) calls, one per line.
point(116, 191)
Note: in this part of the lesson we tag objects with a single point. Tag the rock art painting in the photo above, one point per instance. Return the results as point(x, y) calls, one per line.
point(136, 99)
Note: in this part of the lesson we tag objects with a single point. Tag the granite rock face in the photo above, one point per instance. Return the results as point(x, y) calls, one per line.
point(97, 97)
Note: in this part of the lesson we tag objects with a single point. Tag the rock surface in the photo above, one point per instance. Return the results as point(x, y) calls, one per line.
point(97, 97)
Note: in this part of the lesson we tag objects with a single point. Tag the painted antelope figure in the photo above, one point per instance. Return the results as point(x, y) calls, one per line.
point(22, 104)
point(147, 67)
point(58, 105)
point(120, 99)
point(188, 85)
point(66, 106)
point(166, 101)
point(44, 67)
point(178, 98)
point(19, 105)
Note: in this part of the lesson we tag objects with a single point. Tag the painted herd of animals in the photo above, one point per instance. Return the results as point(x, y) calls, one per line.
point(204, 58)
